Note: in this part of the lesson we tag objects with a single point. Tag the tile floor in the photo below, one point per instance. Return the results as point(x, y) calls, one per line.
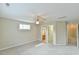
point(41, 49)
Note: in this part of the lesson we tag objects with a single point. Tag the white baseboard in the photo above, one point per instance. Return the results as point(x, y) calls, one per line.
point(16, 45)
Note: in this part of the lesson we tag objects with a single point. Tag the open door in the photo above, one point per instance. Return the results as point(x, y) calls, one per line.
point(72, 34)
point(50, 34)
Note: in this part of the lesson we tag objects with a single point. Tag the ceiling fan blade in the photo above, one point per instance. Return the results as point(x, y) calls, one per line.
point(41, 18)
point(61, 17)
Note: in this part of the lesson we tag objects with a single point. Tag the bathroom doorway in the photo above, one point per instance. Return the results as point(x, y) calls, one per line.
point(72, 34)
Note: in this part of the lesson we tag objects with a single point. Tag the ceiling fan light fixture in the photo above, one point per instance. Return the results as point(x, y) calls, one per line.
point(37, 22)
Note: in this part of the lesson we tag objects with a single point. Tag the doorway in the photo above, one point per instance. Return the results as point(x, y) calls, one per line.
point(48, 34)
point(44, 34)
point(72, 34)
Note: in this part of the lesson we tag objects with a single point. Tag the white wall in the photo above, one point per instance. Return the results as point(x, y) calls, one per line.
point(0, 10)
point(10, 35)
point(38, 27)
point(61, 34)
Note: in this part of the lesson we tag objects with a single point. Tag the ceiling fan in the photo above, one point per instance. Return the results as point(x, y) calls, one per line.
point(40, 19)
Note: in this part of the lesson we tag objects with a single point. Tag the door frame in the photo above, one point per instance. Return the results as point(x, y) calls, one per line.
point(54, 40)
point(77, 35)
point(46, 32)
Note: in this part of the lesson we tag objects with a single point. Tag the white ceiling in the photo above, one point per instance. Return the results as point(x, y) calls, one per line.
point(51, 11)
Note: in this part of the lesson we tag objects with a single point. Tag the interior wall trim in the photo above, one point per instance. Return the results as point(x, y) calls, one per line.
point(17, 19)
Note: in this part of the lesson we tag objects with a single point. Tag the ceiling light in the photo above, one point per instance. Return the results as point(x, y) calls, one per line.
point(37, 22)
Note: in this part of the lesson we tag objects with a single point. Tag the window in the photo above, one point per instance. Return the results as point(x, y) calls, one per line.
point(24, 27)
